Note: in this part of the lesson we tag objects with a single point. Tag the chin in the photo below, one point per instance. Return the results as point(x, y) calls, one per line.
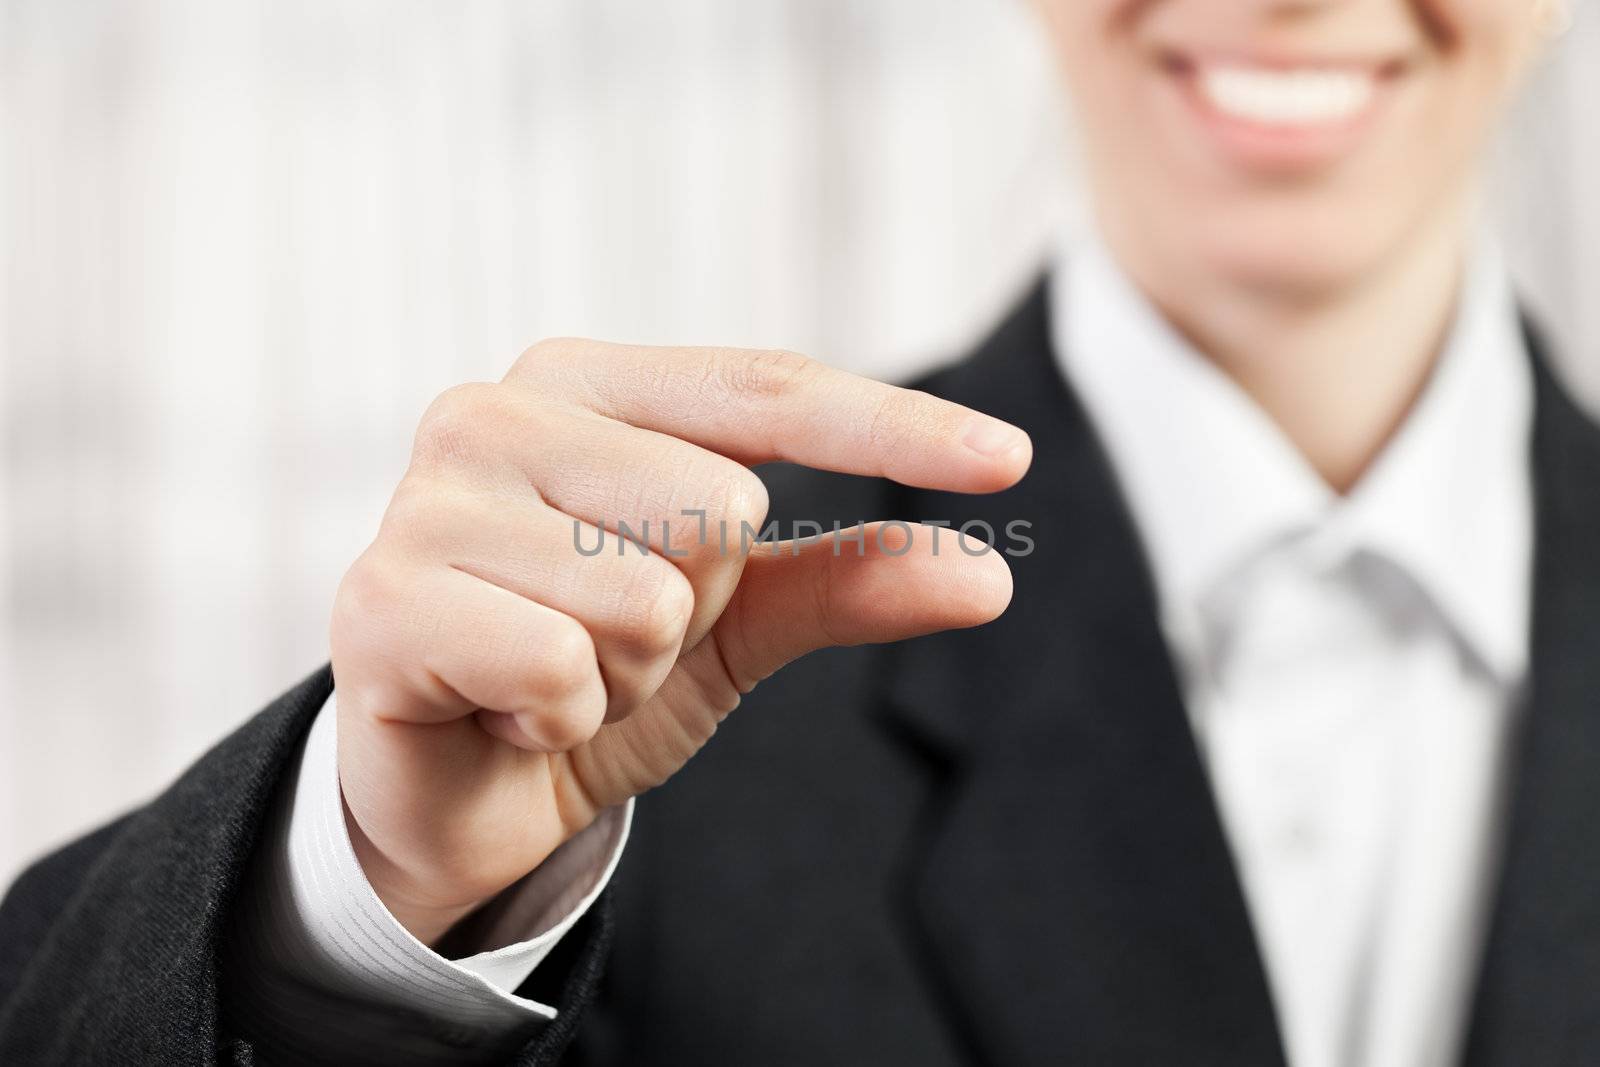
point(1298, 250)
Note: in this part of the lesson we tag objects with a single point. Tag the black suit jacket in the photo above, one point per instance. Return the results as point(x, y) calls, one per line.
point(994, 846)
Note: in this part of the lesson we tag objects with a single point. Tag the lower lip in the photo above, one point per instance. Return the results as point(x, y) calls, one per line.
point(1279, 148)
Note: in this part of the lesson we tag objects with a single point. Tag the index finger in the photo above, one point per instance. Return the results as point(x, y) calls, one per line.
point(762, 406)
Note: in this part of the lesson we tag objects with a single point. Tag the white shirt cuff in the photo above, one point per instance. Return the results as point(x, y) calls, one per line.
point(324, 944)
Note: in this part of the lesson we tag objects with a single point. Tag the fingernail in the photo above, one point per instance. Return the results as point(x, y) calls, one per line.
point(991, 437)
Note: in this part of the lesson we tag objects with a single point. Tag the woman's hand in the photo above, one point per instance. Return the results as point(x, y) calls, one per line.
point(500, 683)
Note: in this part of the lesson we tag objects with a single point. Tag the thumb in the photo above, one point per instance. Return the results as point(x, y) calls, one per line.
point(894, 581)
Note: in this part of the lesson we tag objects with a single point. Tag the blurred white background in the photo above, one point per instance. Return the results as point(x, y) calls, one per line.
point(244, 242)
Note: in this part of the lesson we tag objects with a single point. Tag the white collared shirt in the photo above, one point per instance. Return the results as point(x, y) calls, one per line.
point(1351, 664)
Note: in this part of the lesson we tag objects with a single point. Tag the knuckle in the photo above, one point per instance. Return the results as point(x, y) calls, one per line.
point(433, 520)
point(415, 512)
point(770, 373)
point(362, 638)
point(453, 427)
point(568, 658)
point(658, 602)
point(568, 707)
point(722, 502)
point(743, 497)
point(546, 353)
point(569, 726)
point(365, 596)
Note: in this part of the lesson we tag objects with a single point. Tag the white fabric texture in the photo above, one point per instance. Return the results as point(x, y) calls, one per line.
point(335, 978)
point(1352, 665)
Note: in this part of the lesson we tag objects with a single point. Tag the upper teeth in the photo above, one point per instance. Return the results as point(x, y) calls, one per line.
point(1286, 97)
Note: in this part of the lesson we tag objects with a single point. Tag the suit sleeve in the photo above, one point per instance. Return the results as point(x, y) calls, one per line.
point(114, 948)
point(317, 971)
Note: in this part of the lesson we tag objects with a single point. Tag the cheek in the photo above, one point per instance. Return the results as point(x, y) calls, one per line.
point(1498, 36)
point(1079, 30)
point(1493, 43)
point(1096, 61)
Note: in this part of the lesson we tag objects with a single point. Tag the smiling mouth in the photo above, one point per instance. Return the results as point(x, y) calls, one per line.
point(1283, 116)
point(1298, 97)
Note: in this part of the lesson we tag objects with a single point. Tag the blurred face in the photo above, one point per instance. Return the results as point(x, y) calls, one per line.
point(1289, 144)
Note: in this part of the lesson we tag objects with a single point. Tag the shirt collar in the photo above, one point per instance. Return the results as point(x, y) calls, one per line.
point(1213, 483)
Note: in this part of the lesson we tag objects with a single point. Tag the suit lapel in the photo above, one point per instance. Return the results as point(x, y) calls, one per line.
point(1539, 998)
point(1074, 893)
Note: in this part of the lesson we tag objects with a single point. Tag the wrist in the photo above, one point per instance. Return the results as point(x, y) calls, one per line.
point(426, 915)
